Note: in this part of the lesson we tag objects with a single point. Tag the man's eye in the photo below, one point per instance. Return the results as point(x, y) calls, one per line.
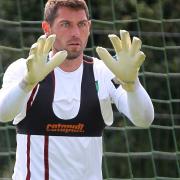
point(82, 24)
point(65, 24)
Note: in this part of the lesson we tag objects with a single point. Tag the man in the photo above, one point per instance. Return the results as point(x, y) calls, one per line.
point(61, 101)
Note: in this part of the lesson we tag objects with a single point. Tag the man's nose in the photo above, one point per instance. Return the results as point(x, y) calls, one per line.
point(75, 31)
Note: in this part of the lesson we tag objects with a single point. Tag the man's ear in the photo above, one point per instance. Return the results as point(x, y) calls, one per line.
point(90, 26)
point(46, 28)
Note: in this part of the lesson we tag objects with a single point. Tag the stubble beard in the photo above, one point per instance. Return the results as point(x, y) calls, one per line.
point(71, 55)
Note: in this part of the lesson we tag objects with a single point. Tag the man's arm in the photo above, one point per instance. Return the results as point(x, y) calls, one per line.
point(136, 105)
point(12, 101)
point(140, 106)
point(13, 97)
point(132, 99)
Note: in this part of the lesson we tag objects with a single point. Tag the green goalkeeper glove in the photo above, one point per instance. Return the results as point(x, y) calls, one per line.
point(129, 58)
point(37, 66)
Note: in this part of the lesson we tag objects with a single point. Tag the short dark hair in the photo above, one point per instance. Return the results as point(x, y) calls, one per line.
point(51, 7)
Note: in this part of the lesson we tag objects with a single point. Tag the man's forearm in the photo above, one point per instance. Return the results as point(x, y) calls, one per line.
point(12, 102)
point(140, 106)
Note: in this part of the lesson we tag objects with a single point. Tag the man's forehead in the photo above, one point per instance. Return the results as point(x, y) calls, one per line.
point(71, 13)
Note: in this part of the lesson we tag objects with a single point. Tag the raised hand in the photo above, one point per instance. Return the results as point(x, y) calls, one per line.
point(128, 60)
point(38, 66)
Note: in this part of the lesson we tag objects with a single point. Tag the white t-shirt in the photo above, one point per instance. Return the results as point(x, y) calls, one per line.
point(71, 158)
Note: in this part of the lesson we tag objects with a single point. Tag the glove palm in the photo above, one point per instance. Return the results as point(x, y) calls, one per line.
point(37, 66)
point(128, 58)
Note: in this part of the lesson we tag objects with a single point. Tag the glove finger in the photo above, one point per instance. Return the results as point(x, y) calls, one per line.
point(29, 62)
point(41, 42)
point(116, 42)
point(56, 60)
point(106, 57)
point(33, 49)
point(49, 43)
point(136, 46)
point(125, 40)
point(139, 58)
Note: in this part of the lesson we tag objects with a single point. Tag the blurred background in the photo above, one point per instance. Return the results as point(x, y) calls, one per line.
point(129, 152)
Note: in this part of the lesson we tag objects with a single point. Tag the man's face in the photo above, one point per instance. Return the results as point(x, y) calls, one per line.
point(72, 30)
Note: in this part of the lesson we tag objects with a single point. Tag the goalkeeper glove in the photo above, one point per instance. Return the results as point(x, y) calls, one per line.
point(37, 66)
point(129, 58)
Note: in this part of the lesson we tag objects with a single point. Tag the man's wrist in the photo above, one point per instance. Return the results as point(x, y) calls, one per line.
point(25, 86)
point(129, 86)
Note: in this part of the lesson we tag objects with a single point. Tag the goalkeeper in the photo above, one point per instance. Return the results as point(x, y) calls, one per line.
point(61, 100)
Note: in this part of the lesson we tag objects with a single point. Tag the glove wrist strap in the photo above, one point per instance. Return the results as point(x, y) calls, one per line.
point(24, 85)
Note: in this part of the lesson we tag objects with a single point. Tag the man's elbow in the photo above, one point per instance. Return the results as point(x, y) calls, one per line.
point(144, 122)
point(5, 117)
point(5, 120)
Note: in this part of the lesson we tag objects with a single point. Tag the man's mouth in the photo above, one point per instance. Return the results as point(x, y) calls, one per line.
point(74, 43)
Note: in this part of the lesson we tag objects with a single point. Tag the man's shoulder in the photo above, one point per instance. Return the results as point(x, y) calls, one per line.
point(99, 63)
point(15, 70)
point(18, 64)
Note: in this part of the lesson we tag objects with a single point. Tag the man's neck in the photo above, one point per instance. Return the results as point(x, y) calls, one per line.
point(70, 65)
